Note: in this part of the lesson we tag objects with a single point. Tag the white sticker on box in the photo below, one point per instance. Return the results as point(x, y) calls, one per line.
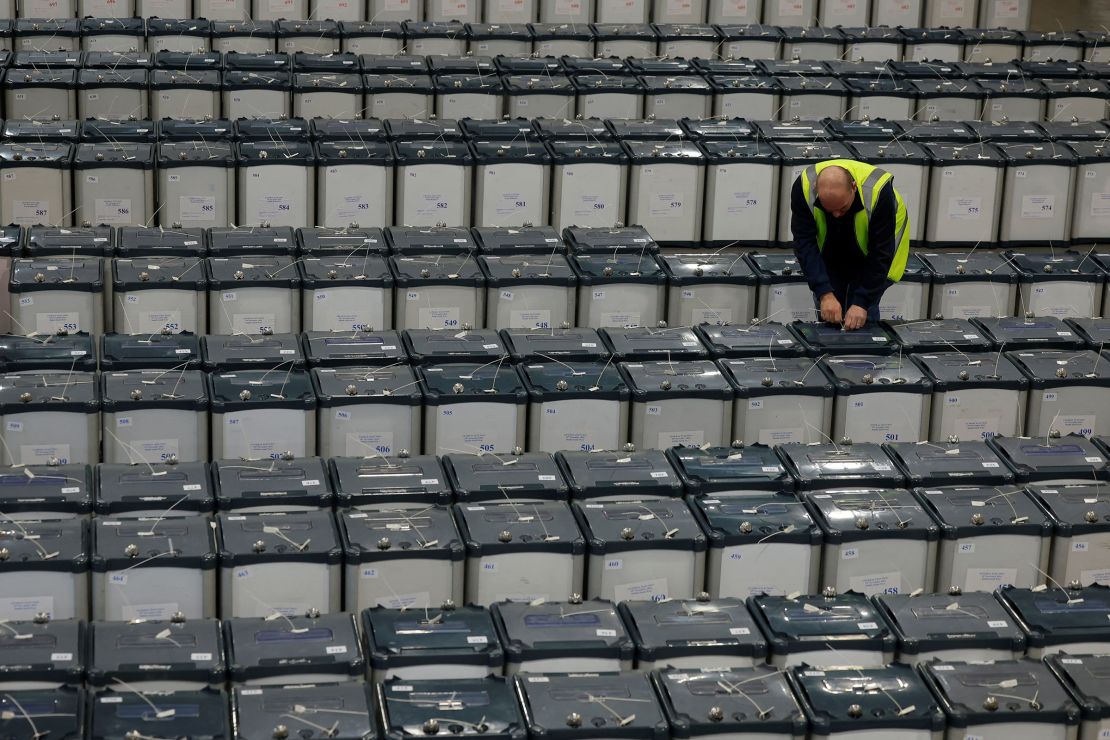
point(868, 625)
point(715, 316)
point(530, 319)
point(14, 426)
point(511, 204)
point(997, 624)
point(691, 438)
point(153, 322)
point(160, 612)
point(1080, 546)
point(849, 553)
point(273, 207)
point(155, 450)
point(439, 318)
point(55, 323)
point(432, 205)
point(877, 583)
point(24, 608)
point(975, 429)
point(783, 435)
point(622, 319)
point(196, 207)
point(477, 640)
point(416, 600)
point(61, 657)
point(38, 454)
point(1038, 206)
point(654, 589)
point(368, 573)
point(1078, 424)
point(252, 323)
point(988, 579)
point(965, 209)
point(739, 631)
point(841, 7)
point(667, 204)
point(791, 8)
point(741, 201)
point(429, 481)
point(111, 210)
point(30, 212)
point(361, 444)
point(659, 474)
point(613, 563)
point(353, 206)
point(200, 657)
point(1100, 205)
point(1100, 576)
point(606, 633)
point(336, 649)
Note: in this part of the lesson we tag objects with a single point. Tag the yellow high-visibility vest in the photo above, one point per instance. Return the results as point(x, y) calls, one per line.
point(870, 181)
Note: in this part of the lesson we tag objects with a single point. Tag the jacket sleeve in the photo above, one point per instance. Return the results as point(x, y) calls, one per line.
point(880, 252)
point(804, 229)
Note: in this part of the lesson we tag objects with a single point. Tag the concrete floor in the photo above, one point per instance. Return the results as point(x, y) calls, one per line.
point(1053, 15)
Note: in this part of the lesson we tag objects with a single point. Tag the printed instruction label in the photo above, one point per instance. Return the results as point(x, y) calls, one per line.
point(877, 583)
point(530, 319)
point(988, 579)
point(781, 436)
point(1006, 10)
point(24, 608)
point(153, 322)
point(650, 590)
point(159, 612)
point(1038, 206)
point(965, 209)
point(692, 438)
point(439, 318)
point(197, 207)
point(156, 450)
point(1100, 576)
point(791, 8)
point(362, 444)
point(30, 212)
point(416, 600)
point(623, 319)
point(274, 207)
point(112, 211)
point(715, 316)
point(53, 323)
point(1100, 205)
point(973, 429)
point(251, 323)
point(352, 206)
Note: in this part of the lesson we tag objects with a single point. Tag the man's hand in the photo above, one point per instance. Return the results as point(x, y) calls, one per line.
point(830, 309)
point(855, 318)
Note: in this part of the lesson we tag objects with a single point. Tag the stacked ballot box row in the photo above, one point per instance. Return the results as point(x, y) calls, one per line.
point(241, 538)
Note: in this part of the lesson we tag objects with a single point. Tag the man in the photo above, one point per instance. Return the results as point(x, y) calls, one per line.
point(851, 238)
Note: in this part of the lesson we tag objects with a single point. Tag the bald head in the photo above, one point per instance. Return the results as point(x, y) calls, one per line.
point(836, 190)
